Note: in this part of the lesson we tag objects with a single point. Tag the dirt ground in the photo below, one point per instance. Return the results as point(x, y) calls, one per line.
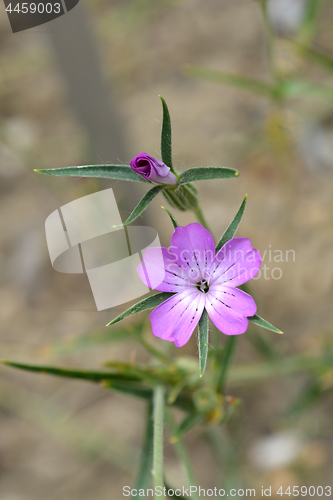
point(72, 440)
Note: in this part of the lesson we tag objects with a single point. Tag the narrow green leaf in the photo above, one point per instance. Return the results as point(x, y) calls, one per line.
point(255, 86)
point(290, 88)
point(146, 460)
point(142, 205)
point(118, 381)
point(172, 217)
point(257, 320)
point(324, 60)
point(233, 226)
point(226, 361)
point(166, 148)
point(93, 376)
point(143, 305)
point(120, 172)
point(203, 341)
point(206, 173)
point(186, 425)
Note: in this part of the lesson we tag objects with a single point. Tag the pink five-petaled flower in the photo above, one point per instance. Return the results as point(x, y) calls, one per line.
point(200, 279)
point(153, 170)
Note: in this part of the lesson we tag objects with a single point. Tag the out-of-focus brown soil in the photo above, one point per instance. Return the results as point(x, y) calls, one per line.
point(71, 440)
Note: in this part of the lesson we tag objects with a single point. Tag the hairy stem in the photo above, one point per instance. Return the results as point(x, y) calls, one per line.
point(158, 402)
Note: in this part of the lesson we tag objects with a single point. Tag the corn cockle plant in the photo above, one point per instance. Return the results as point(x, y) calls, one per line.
point(198, 281)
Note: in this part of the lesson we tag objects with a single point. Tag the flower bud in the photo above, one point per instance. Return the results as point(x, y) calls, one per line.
point(152, 169)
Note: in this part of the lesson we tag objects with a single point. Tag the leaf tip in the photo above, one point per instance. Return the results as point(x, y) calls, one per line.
point(4, 361)
point(236, 173)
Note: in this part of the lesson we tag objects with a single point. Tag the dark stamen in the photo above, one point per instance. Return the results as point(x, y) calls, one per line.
point(203, 286)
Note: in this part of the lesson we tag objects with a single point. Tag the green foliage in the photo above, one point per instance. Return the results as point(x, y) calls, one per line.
point(319, 58)
point(146, 459)
point(142, 305)
point(257, 320)
point(203, 328)
point(142, 205)
point(166, 147)
point(90, 375)
point(255, 86)
point(186, 425)
point(206, 173)
point(172, 217)
point(119, 172)
point(229, 233)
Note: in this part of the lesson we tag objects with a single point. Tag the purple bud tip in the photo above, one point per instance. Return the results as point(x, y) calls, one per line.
point(152, 169)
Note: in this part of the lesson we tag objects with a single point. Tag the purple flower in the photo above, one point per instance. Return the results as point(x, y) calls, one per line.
point(153, 170)
point(200, 279)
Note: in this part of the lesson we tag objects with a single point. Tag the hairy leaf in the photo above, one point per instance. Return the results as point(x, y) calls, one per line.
point(172, 217)
point(203, 341)
point(257, 320)
point(206, 173)
point(120, 172)
point(233, 226)
point(166, 148)
point(142, 305)
point(142, 205)
point(91, 375)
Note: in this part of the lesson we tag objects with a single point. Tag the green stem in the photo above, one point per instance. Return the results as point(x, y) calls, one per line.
point(182, 455)
point(200, 216)
point(158, 402)
point(144, 474)
point(227, 358)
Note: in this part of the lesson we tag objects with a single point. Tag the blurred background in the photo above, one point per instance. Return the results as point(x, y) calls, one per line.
point(84, 89)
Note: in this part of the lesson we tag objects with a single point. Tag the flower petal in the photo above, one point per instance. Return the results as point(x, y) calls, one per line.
point(152, 169)
point(194, 248)
point(159, 271)
point(236, 263)
point(240, 302)
point(228, 308)
point(176, 318)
